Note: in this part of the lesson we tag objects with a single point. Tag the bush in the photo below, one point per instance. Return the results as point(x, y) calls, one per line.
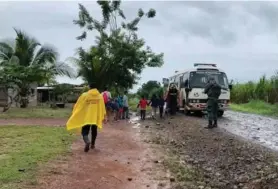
point(258, 107)
point(265, 90)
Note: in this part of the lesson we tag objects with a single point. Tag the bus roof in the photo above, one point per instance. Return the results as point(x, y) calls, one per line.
point(199, 67)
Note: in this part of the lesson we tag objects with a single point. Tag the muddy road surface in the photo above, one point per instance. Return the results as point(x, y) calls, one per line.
point(121, 160)
point(211, 159)
point(259, 129)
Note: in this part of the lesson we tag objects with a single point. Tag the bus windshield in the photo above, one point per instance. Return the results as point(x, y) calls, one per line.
point(199, 79)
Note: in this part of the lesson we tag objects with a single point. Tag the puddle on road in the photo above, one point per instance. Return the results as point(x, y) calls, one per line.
point(135, 121)
point(261, 129)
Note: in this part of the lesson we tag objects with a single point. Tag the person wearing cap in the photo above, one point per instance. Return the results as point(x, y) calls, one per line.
point(213, 90)
point(88, 114)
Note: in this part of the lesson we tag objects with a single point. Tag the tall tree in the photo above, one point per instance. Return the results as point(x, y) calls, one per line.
point(150, 88)
point(26, 61)
point(119, 49)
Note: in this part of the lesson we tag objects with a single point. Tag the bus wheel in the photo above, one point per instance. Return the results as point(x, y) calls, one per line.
point(220, 113)
point(186, 111)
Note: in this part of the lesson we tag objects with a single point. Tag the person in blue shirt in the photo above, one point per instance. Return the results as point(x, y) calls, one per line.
point(120, 105)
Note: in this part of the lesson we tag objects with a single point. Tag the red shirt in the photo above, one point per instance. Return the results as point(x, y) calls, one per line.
point(143, 104)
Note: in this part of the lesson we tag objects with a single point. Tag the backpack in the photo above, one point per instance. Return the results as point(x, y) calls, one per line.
point(216, 90)
point(105, 97)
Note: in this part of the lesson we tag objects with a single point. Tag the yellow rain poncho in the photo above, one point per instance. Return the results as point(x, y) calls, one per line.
point(88, 110)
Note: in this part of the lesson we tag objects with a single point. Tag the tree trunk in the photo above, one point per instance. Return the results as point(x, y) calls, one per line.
point(24, 102)
point(24, 92)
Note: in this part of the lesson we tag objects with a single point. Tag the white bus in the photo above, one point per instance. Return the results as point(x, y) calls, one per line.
point(191, 84)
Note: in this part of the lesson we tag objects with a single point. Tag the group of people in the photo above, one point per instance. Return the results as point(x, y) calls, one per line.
point(118, 106)
point(163, 103)
point(155, 103)
point(91, 108)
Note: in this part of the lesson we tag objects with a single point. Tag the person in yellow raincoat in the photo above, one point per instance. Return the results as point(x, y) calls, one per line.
point(88, 114)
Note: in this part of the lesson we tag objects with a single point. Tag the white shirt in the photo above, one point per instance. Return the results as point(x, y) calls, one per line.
point(125, 101)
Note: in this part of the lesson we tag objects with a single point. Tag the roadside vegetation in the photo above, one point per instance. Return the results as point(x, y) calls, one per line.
point(147, 90)
point(36, 112)
point(259, 97)
point(25, 148)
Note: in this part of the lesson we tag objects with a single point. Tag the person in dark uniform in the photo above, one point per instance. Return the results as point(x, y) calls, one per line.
point(172, 98)
point(213, 90)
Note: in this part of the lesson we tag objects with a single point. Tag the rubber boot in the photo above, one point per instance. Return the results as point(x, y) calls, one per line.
point(209, 125)
point(215, 123)
point(92, 144)
point(87, 143)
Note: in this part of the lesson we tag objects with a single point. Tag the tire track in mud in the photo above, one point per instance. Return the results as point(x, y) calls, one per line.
point(202, 158)
point(259, 129)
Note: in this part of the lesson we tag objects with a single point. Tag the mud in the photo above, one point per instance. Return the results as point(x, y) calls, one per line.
point(136, 154)
point(120, 161)
point(260, 129)
point(212, 158)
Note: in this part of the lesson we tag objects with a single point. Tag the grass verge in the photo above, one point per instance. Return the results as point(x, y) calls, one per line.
point(23, 148)
point(257, 107)
point(36, 112)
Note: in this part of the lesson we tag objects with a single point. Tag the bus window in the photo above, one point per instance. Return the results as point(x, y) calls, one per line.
point(177, 81)
point(185, 80)
point(181, 82)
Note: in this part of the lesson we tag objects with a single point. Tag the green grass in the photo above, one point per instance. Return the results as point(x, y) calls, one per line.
point(256, 107)
point(26, 147)
point(36, 112)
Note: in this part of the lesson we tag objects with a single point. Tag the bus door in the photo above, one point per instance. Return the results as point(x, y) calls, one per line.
point(181, 91)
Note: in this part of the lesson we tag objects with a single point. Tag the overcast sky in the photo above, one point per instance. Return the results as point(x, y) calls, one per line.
point(241, 37)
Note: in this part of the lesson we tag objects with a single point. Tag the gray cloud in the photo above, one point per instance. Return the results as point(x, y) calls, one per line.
point(241, 37)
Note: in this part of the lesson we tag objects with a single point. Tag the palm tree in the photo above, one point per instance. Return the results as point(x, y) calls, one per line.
point(91, 67)
point(30, 62)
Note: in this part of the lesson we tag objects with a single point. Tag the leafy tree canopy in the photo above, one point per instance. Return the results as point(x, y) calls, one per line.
point(150, 88)
point(119, 55)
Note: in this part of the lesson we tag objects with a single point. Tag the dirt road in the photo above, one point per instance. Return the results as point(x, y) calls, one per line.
point(136, 155)
point(121, 160)
point(259, 129)
point(206, 159)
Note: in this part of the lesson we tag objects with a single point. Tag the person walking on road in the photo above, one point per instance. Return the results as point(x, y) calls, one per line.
point(143, 105)
point(107, 99)
point(213, 90)
point(161, 103)
point(154, 104)
point(172, 98)
point(125, 106)
point(121, 107)
point(88, 114)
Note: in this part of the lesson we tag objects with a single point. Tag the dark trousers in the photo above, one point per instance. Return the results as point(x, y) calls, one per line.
point(172, 107)
point(212, 109)
point(125, 113)
point(143, 114)
point(161, 111)
point(85, 133)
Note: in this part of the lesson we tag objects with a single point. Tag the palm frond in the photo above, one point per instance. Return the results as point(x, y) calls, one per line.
point(121, 13)
point(45, 54)
point(6, 51)
point(63, 69)
point(25, 47)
